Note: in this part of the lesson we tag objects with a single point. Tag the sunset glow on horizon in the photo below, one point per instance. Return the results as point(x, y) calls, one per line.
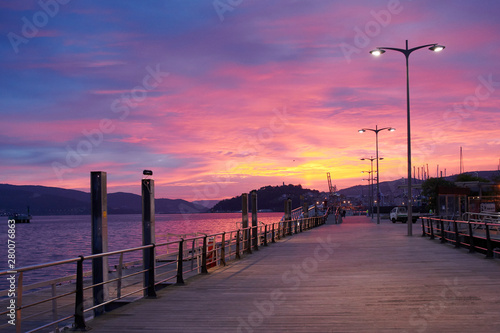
point(222, 99)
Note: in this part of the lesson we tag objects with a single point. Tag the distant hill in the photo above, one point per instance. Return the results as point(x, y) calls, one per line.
point(44, 200)
point(271, 198)
point(394, 192)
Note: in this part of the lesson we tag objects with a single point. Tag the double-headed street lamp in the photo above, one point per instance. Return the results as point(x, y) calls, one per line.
point(376, 130)
point(371, 173)
point(370, 183)
point(378, 51)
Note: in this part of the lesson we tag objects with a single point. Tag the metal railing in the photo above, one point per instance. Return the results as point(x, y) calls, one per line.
point(481, 217)
point(71, 300)
point(477, 236)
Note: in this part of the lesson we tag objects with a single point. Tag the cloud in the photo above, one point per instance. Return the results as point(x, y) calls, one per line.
point(213, 120)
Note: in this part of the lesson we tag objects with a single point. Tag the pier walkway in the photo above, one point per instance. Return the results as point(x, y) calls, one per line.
point(352, 277)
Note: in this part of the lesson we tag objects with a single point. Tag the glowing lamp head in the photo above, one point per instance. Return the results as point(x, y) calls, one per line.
point(391, 129)
point(361, 131)
point(437, 48)
point(377, 52)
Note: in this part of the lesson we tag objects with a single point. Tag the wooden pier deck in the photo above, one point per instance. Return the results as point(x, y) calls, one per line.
point(352, 277)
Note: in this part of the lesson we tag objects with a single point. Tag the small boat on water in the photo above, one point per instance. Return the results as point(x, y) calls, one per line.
point(20, 218)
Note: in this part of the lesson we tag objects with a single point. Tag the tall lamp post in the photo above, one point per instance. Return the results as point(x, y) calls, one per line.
point(370, 183)
point(378, 51)
point(371, 176)
point(376, 130)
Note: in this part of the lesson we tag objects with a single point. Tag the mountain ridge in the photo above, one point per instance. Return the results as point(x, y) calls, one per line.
point(44, 200)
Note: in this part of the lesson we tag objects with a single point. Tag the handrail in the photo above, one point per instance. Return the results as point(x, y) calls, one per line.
point(493, 216)
point(223, 246)
point(474, 235)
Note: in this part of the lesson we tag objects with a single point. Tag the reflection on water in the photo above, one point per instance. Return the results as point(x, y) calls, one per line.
point(53, 238)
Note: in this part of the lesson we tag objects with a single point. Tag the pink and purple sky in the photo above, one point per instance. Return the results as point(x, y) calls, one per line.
point(222, 97)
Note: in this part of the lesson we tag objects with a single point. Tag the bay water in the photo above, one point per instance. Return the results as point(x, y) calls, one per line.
point(54, 238)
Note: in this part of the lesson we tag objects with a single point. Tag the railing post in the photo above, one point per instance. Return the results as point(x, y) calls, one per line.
point(19, 304)
point(305, 207)
point(443, 238)
point(273, 235)
point(423, 227)
point(457, 235)
point(244, 219)
point(265, 235)
point(238, 256)
point(204, 256)
point(223, 250)
point(255, 232)
point(151, 290)
point(288, 217)
point(119, 273)
point(249, 240)
point(54, 306)
point(79, 323)
point(471, 239)
point(432, 229)
point(489, 246)
point(180, 262)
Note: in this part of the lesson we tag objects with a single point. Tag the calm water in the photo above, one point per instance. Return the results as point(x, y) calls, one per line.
point(53, 238)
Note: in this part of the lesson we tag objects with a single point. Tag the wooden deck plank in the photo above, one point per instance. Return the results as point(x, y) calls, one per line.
point(368, 278)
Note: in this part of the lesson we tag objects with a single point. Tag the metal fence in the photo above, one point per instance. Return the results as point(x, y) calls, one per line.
point(475, 235)
point(71, 300)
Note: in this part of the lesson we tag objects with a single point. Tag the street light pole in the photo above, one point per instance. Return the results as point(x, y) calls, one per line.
point(376, 130)
point(371, 185)
point(378, 51)
point(369, 180)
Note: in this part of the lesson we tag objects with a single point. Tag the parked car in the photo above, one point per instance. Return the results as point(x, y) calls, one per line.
point(400, 214)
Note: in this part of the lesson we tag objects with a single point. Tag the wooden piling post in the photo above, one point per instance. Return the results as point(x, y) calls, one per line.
point(148, 234)
point(305, 209)
point(99, 219)
point(254, 220)
point(244, 222)
point(287, 218)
